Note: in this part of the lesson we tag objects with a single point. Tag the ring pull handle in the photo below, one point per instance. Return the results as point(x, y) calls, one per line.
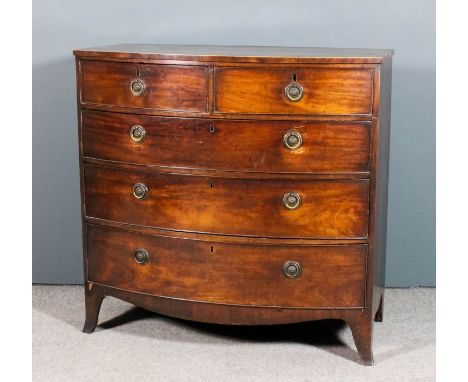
point(137, 133)
point(292, 269)
point(138, 87)
point(292, 200)
point(140, 191)
point(292, 140)
point(141, 256)
point(294, 91)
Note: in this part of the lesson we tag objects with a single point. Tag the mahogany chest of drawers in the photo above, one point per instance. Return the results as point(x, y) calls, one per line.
point(236, 185)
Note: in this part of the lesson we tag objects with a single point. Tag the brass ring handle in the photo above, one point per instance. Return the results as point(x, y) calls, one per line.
point(292, 200)
point(141, 256)
point(292, 140)
point(137, 133)
point(294, 92)
point(292, 269)
point(140, 191)
point(137, 87)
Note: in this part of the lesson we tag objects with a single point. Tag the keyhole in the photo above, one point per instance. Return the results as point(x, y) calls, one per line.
point(137, 72)
point(212, 129)
point(294, 77)
point(211, 184)
point(212, 249)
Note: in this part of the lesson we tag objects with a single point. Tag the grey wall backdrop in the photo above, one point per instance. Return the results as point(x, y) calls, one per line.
point(408, 26)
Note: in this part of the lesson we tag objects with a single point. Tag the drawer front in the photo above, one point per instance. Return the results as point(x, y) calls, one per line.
point(263, 146)
point(162, 87)
point(325, 90)
point(253, 207)
point(244, 274)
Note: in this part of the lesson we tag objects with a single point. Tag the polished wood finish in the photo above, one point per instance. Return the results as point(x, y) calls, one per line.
point(379, 190)
point(231, 274)
point(328, 90)
point(221, 238)
point(93, 302)
point(329, 209)
point(240, 145)
point(174, 88)
point(235, 54)
point(216, 167)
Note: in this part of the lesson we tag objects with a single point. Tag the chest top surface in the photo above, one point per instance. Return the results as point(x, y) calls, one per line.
point(211, 53)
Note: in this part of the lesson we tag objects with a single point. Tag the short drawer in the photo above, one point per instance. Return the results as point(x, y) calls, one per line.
point(319, 89)
point(161, 87)
point(226, 273)
point(251, 207)
point(253, 146)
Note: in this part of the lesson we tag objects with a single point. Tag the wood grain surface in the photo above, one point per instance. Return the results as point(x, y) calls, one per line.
point(332, 276)
point(174, 88)
point(235, 54)
point(251, 146)
point(249, 207)
point(327, 90)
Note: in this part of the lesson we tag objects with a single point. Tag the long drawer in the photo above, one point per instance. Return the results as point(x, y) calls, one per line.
point(226, 273)
point(232, 206)
point(144, 86)
point(254, 146)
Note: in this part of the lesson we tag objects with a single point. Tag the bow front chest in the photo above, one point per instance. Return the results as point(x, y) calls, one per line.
point(236, 185)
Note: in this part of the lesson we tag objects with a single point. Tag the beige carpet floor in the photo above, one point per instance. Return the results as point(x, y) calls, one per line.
point(131, 344)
